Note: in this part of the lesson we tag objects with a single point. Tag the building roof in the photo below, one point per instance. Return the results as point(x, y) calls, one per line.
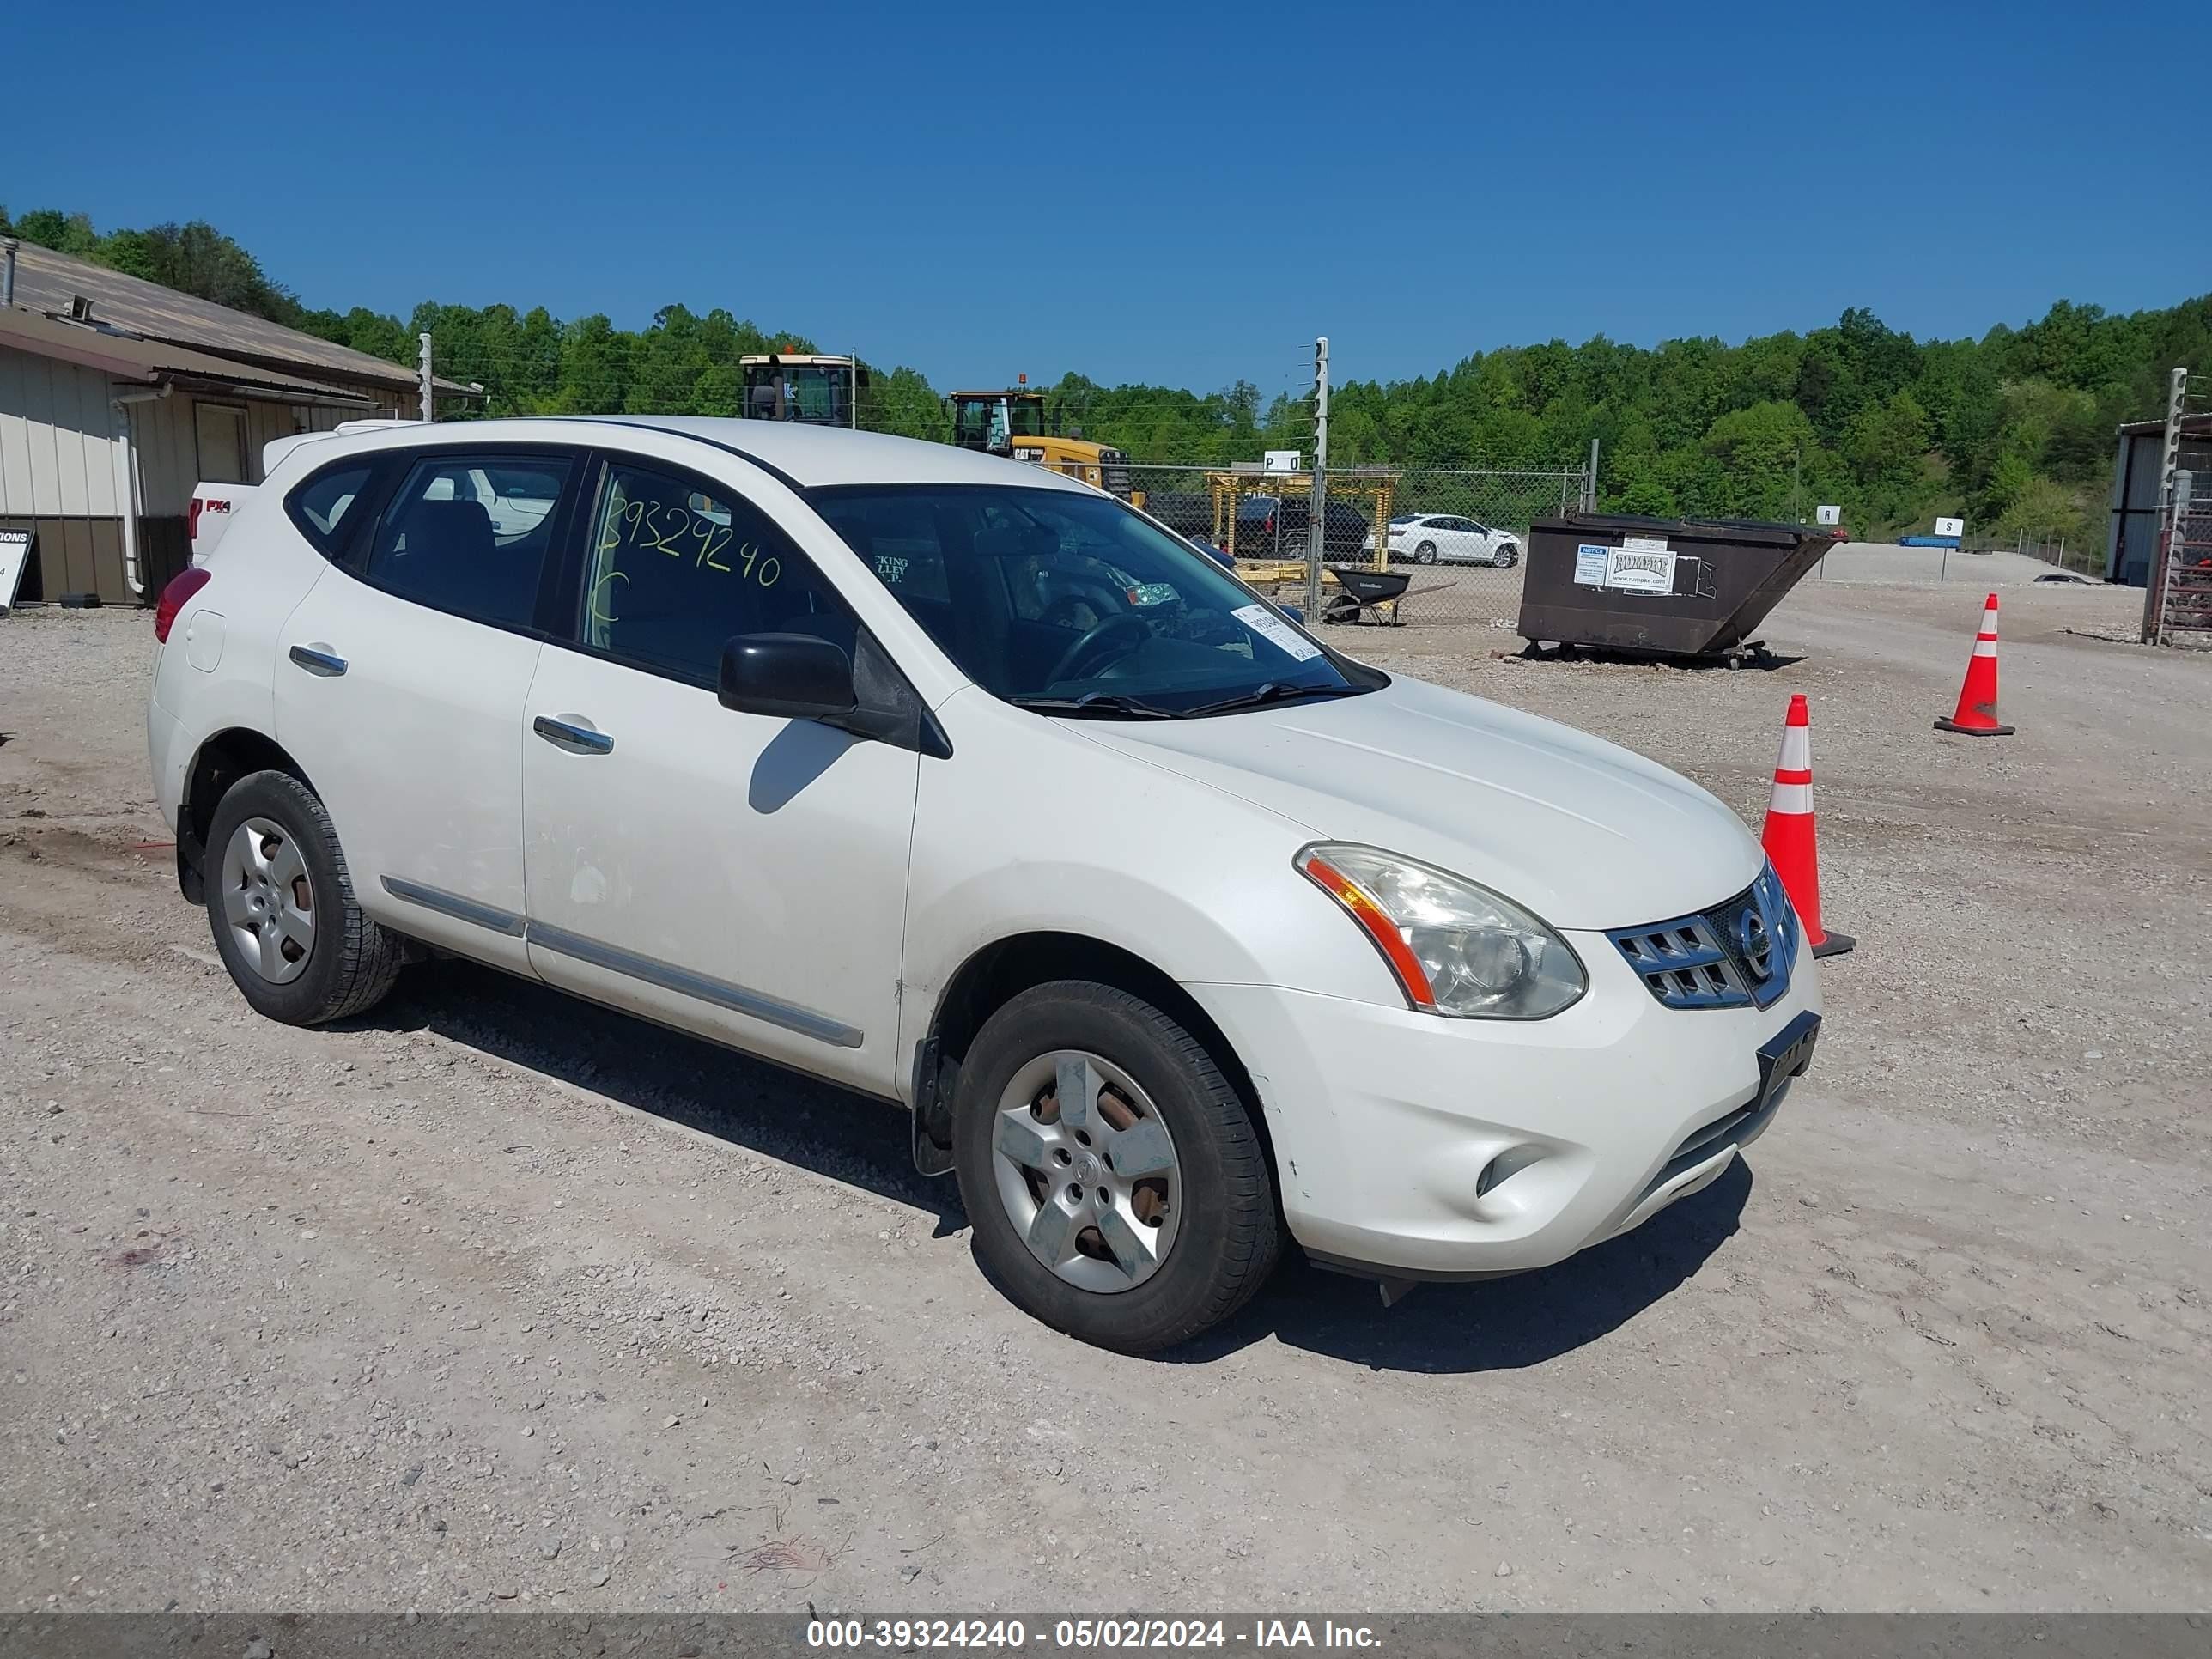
point(2195, 425)
point(47, 281)
point(127, 357)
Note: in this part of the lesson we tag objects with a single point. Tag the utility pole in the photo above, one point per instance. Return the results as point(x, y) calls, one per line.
point(1590, 481)
point(429, 408)
point(1317, 516)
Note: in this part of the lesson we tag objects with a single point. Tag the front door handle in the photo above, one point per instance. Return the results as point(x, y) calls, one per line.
point(576, 739)
point(317, 661)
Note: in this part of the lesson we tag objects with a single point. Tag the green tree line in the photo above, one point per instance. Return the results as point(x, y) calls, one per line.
point(2014, 430)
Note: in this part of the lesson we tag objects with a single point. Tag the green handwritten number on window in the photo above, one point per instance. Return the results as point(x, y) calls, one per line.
point(637, 524)
point(716, 541)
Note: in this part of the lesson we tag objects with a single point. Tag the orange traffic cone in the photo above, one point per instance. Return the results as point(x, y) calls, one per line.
point(1791, 838)
point(1977, 713)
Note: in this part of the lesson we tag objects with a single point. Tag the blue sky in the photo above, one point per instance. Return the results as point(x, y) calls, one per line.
point(1175, 193)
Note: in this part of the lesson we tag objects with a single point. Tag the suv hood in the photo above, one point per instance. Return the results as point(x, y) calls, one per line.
point(1579, 830)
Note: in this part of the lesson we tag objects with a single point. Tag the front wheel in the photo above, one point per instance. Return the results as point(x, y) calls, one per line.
point(1507, 557)
point(1116, 1187)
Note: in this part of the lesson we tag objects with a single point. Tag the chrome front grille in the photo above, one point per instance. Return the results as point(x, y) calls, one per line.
point(1737, 955)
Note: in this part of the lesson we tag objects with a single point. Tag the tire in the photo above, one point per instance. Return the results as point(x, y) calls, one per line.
point(1506, 557)
point(348, 962)
point(1214, 1231)
point(1426, 553)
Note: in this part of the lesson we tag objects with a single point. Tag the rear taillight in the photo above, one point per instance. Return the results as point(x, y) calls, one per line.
point(192, 520)
point(175, 596)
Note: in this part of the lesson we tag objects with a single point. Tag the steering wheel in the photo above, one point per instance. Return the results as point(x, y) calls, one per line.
point(1093, 643)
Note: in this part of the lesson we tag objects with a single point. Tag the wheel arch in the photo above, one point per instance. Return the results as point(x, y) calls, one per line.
point(994, 974)
point(222, 760)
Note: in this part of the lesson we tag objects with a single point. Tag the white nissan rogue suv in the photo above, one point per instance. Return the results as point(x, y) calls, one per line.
point(967, 785)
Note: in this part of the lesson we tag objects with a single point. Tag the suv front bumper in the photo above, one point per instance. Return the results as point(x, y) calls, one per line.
point(1413, 1146)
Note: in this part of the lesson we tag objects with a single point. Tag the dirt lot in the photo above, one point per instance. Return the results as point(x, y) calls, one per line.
point(492, 1297)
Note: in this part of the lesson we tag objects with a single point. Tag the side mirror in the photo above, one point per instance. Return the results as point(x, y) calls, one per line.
point(792, 676)
point(1297, 613)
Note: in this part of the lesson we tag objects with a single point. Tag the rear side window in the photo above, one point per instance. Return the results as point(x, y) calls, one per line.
point(678, 565)
point(469, 535)
point(320, 505)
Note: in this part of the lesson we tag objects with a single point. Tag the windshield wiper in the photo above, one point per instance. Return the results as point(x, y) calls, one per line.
point(1096, 702)
point(1271, 691)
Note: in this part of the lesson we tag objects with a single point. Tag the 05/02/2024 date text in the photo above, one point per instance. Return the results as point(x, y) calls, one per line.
point(906, 1635)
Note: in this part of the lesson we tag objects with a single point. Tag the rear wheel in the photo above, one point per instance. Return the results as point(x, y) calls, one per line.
point(1426, 553)
point(282, 907)
point(1116, 1187)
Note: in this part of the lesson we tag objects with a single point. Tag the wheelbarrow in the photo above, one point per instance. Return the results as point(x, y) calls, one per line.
point(1361, 594)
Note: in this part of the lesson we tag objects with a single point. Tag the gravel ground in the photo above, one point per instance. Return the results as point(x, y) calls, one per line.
point(490, 1297)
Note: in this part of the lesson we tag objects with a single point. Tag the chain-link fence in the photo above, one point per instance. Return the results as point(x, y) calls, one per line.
point(1451, 541)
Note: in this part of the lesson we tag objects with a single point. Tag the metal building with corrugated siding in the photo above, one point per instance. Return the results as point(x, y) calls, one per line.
point(2138, 503)
point(118, 395)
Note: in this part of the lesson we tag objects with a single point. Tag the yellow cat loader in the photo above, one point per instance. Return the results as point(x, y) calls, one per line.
point(1012, 423)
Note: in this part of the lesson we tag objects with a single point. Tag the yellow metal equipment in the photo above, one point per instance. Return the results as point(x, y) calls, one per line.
point(1012, 422)
point(1374, 491)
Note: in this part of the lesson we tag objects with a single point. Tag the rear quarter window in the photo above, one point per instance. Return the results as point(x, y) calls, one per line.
point(322, 508)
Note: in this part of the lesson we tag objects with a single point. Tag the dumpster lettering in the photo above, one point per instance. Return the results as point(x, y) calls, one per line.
point(1641, 569)
point(1641, 564)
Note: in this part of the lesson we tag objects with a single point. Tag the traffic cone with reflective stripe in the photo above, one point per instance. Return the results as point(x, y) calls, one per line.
point(1977, 713)
point(1791, 839)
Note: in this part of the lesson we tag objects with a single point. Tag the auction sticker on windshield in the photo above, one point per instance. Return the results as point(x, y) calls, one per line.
point(1277, 632)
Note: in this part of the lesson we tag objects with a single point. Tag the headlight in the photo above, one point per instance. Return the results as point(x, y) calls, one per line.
point(1455, 948)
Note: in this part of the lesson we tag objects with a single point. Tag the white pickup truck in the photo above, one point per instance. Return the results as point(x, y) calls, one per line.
point(212, 504)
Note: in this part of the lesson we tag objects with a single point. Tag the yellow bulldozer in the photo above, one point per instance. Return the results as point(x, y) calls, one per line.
point(1012, 422)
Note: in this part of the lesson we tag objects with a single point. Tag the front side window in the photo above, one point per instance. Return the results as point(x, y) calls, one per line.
point(1051, 597)
point(677, 567)
point(469, 535)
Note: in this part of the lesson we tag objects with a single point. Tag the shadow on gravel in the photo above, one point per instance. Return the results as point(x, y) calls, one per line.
point(794, 1118)
point(1756, 656)
point(1496, 1325)
point(1504, 1324)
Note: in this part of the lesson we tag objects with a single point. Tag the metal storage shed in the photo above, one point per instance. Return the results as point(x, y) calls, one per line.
point(118, 395)
point(2137, 505)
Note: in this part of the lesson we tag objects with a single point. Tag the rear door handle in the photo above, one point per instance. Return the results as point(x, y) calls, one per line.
point(577, 739)
point(316, 660)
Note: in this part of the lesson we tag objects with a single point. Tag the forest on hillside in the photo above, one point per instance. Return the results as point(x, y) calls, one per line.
point(2014, 430)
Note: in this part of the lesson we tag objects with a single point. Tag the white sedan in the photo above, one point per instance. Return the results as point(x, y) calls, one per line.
point(1448, 538)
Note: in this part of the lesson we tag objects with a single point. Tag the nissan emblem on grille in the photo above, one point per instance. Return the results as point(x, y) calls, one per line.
point(1751, 938)
point(1736, 954)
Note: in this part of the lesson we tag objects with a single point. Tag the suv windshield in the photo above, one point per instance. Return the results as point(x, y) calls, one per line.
point(1073, 603)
